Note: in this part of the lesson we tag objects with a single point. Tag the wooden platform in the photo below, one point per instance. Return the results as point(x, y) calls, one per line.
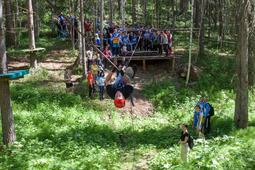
point(33, 50)
point(13, 75)
point(144, 58)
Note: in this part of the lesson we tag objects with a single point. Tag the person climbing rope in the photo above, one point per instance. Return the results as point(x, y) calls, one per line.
point(122, 88)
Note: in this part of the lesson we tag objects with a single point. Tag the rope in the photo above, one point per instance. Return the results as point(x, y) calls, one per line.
point(133, 134)
point(134, 50)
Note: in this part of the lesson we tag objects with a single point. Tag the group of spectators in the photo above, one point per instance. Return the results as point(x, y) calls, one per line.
point(64, 29)
point(121, 41)
point(201, 121)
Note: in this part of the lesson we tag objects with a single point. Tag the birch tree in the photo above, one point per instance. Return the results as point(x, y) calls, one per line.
point(190, 43)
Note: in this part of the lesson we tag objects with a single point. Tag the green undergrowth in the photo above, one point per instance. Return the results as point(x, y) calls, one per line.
point(59, 130)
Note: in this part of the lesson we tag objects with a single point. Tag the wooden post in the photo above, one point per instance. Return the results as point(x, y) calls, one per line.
point(144, 65)
point(173, 61)
point(33, 60)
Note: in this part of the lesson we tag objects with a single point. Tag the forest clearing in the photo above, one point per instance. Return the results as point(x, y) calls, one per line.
point(164, 66)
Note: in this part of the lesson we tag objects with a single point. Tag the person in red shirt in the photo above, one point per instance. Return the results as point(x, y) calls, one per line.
point(87, 27)
point(91, 84)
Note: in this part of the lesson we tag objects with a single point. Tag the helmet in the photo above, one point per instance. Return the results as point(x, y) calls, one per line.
point(119, 103)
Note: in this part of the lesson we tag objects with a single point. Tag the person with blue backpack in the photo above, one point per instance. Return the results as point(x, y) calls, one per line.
point(208, 112)
point(197, 120)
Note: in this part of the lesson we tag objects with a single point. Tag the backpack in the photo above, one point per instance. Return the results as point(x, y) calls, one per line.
point(191, 142)
point(211, 110)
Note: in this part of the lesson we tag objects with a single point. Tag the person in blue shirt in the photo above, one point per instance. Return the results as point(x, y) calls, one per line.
point(201, 103)
point(146, 34)
point(101, 83)
point(133, 39)
point(126, 40)
point(206, 116)
point(97, 31)
point(121, 38)
point(197, 121)
point(61, 18)
point(116, 42)
point(97, 39)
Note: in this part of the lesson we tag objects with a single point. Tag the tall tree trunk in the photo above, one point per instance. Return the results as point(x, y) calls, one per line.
point(197, 4)
point(134, 13)
point(144, 11)
point(71, 31)
point(84, 65)
point(33, 60)
point(110, 10)
point(8, 129)
point(96, 13)
point(113, 9)
point(173, 18)
point(202, 30)
point(215, 13)
point(160, 15)
point(53, 26)
point(241, 106)
point(9, 24)
point(190, 44)
point(221, 21)
point(102, 25)
point(36, 18)
point(15, 25)
point(209, 18)
point(123, 14)
point(156, 13)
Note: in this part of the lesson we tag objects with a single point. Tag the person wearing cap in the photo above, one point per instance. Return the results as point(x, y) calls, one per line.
point(122, 88)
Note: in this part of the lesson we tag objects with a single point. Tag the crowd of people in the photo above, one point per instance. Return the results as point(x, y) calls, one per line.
point(120, 42)
point(64, 29)
point(201, 125)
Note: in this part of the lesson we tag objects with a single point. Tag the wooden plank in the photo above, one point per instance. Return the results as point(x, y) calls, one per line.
point(32, 50)
point(144, 66)
point(14, 74)
point(8, 79)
